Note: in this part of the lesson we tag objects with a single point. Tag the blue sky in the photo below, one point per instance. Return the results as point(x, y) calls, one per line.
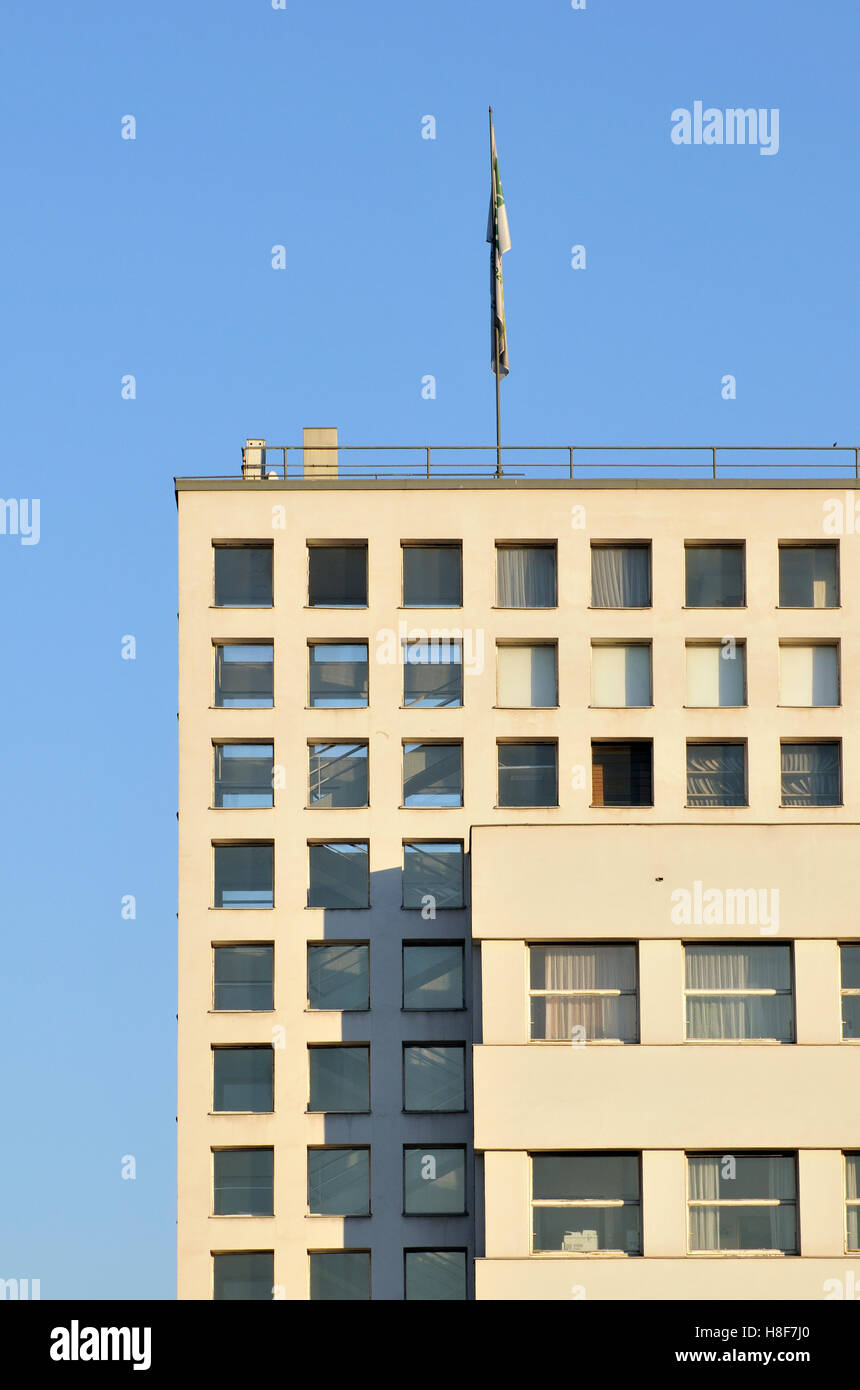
point(301, 127)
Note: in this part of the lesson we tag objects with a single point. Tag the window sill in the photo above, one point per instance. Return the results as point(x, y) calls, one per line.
point(781, 706)
point(241, 1216)
point(215, 1114)
point(335, 1012)
point(696, 708)
point(463, 1008)
point(806, 608)
point(651, 706)
point(628, 806)
point(338, 1215)
point(220, 1013)
point(712, 607)
point(242, 808)
point(619, 608)
point(515, 708)
point(742, 1254)
point(584, 1255)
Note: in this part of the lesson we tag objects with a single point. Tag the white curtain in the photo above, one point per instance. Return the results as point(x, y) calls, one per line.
point(704, 1175)
point(573, 968)
point(808, 675)
point(810, 774)
point(720, 968)
point(621, 675)
point(620, 576)
point(715, 774)
point(715, 676)
point(526, 576)
point(527, 677)
point(744, 1227)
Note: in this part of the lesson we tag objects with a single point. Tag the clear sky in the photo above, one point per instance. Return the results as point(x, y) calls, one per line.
point(258, 127)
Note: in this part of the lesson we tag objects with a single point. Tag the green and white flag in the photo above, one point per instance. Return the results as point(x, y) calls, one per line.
point(500, 241)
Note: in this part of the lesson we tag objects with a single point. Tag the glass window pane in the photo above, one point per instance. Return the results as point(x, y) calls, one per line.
point(620, 576)
point(586, 1177)
point(337, 774)
point(247, 1276)
point(434, 1181)
point(243, 774)
point(716, 774)
point(751, 1177)
point(431, 576)
point(339, 1182)
point(244, 978)
point(338, 875)
point(850, 958)
point(433, 977)
point(528, 774)
point(340, 1078)
point(745, 1017)
point(525, 576)
point(527, 677)
point(435, 1275)
point(434, 1077)
point(243, 1182)
point(243, 1079)
point(340, 1275)
point(715, 576)
point(621, 774)
point(432, 774)
point(810, 774)
point(808, 576)
point(433, 674)
point(598, 1018)
point(851, 1016)
point(434, 869)
point(337, 576)
point(338, 977)
point(716, 675)
point(721, 966)
point(580, 1229)
point(809, 675)
point(582, 967)
point(744, 1228)
point(244, 876)
point(337, 675)
point(244, 675)
point(852, 1176)
point(621, 675)
point(853, 1224)
point(243, 576)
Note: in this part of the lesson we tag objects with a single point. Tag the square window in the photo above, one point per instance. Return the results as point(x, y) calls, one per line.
point(621, 576)
point(339, 976)
point(849, 956)
point(433, 774)
point(243, 774)
point(715, 576)
point(716, 774)
point(243, 1080)
point(243, 576)
point(852, 1201)
point(433, 975)
point(337, 775)
point(585, 993)
point(716, 674)
point(244, 978)
point(339, 1079)
point(746, 1204)
point(341, 1276)
point(244, 1274)
point(738, 992)
point(526, 576)
point(527, 676)
point(337, 576)
point(434, 1076)
point(808, 673)
point(243, 1182)
point(435, 1275)
point(809, 576)
point(244, 876)
point(432, 576)
point(337, 676)
point(433, 870)
point(811, 774)
point(621, 773)
point(339, 1182)
point(339, 875)
point(433, 674)
point(434, 1181)
point(528, 774)
point(587, 1202)
point(620, 674)
point(244, 676)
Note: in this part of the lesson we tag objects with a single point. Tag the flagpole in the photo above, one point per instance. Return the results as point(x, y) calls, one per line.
point(495, 321)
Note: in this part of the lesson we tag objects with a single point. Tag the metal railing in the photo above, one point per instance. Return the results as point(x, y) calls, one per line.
point(548, 461)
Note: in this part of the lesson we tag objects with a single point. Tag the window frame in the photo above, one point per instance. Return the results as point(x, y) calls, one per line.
point(600, 644)
point(518, 741)
point(455, 943)
point(806, 805)
point(405, 645)
point(716, 644)
point(232, 946)
point(330, 840)
point(461, 1046)
point(242, 844)
point(742, 1202)
point(359, 544)
point(341, 1148)
point(850, 1202)
point(742, 994)
point(621, 545)
point(740, 545)
point(625, 805)
point(314, 743)
point(241, 545)
point(587, 1204)
point(330, 1046)
point(505, 644)
point(849, 992)
point(240, 743)
point(808, 643)
point(412, 743)
point(524, 545)
point(435, 1147)
point(218, 642)
point(216, 1149)
point(214, 1049)
point(429, 545)
point(532, 993)
point(336, 642)
point(324, 944)
point(741, 743)
point(809, 545)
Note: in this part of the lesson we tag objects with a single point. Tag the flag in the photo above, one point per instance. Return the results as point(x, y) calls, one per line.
point(500, 241)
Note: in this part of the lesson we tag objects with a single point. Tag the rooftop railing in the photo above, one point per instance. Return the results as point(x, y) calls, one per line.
point(554, 461)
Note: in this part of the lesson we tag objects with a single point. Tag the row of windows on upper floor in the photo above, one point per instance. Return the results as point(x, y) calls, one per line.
point(581, 992)
point(526, 673)
point(339, 1275)
point(527, 774)
point(582, 1203)
point(527, 574)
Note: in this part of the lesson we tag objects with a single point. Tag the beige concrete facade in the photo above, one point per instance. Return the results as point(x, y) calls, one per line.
point(572, 872)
